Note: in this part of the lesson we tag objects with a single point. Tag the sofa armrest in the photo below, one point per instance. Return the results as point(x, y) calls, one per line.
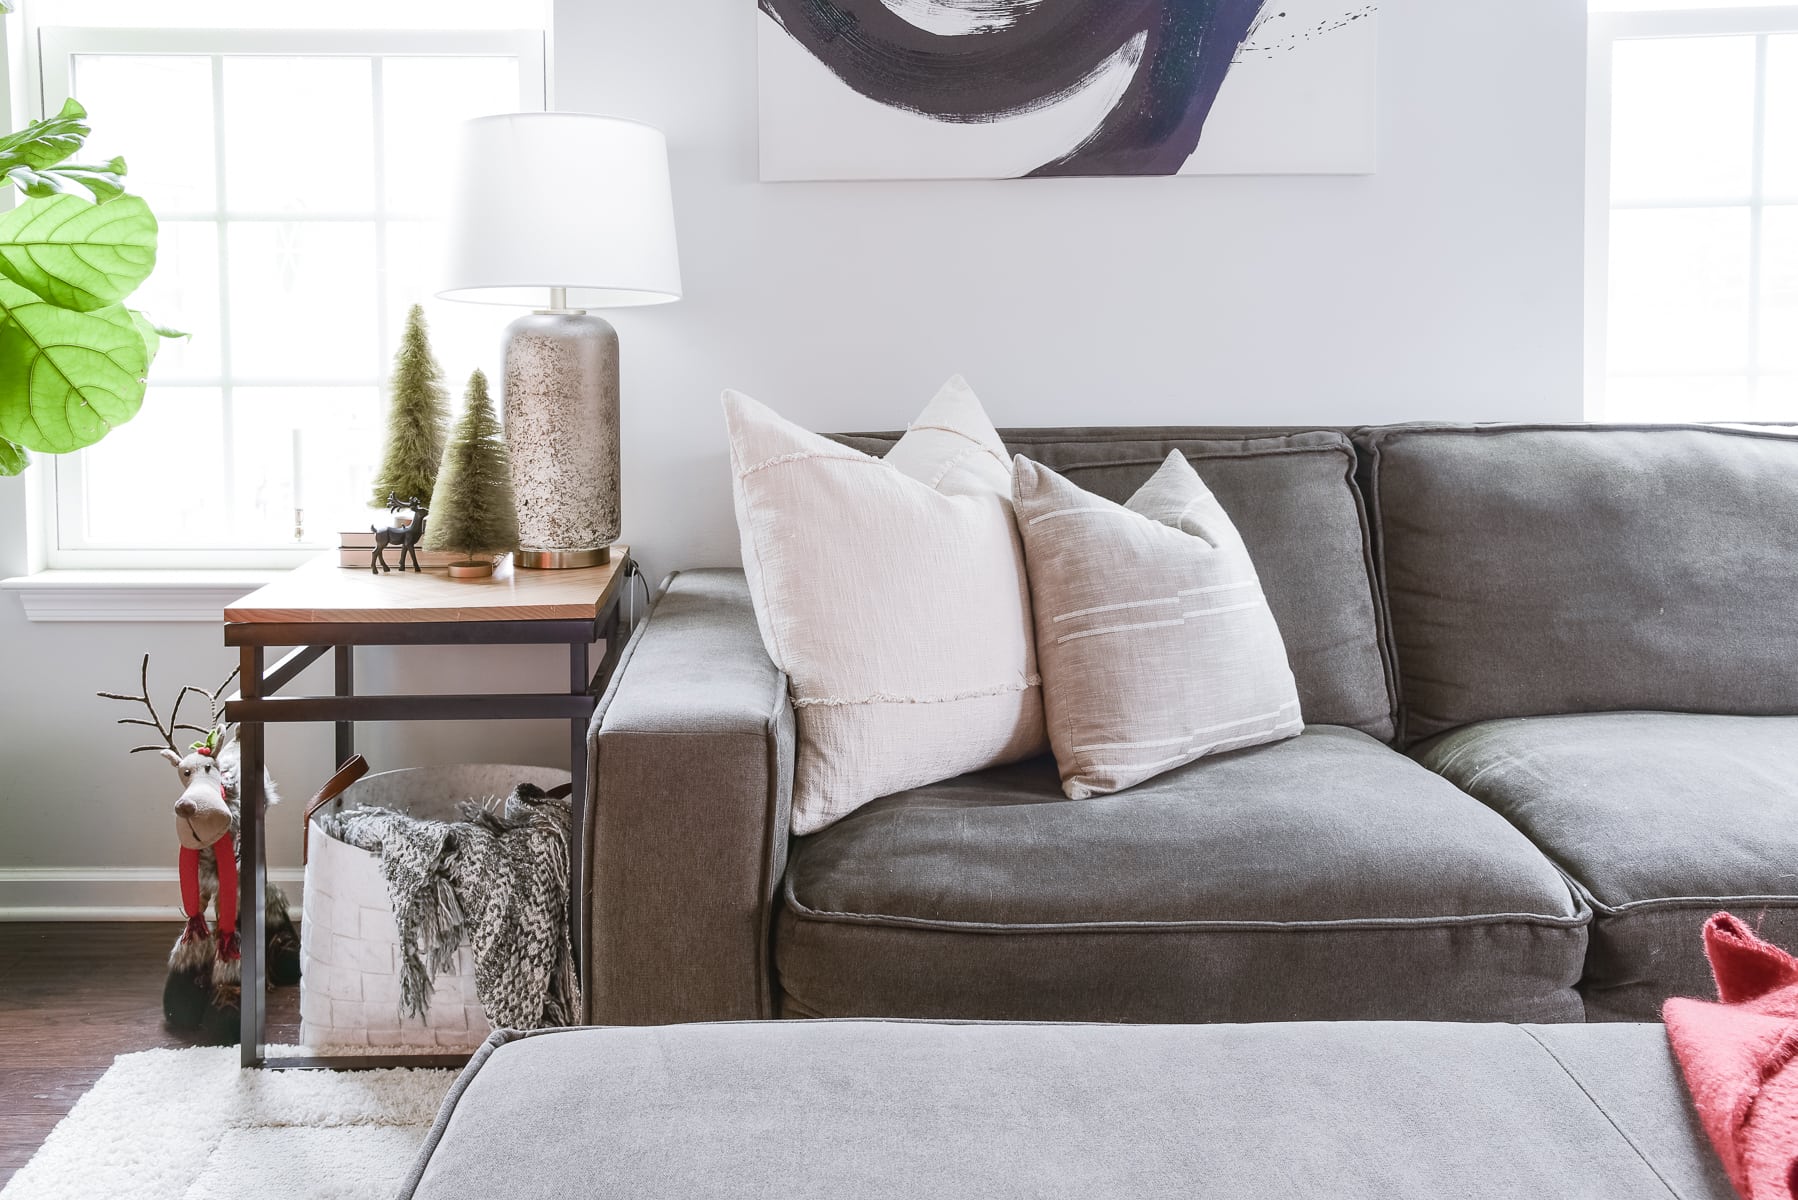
point(690, 793)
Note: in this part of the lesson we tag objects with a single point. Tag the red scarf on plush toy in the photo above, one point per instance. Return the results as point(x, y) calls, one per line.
point(224, 858)
point(1740, 1058)
point(224, 854)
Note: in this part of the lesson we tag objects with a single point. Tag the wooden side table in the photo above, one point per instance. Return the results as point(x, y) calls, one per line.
point(323, 607)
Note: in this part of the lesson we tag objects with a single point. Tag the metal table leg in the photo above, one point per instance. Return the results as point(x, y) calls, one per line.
point(252, 876)
point(346, 686)
point(578, 684)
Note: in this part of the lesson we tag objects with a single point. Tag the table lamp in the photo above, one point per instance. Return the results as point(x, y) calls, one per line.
point(562, 212)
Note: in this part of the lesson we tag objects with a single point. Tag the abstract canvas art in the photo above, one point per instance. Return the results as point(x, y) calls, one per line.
point(985, 89)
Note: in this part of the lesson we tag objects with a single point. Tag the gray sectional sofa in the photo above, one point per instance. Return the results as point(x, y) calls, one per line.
point(1550, 679)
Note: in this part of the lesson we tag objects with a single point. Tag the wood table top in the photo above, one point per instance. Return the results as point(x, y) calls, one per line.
point(323, 592)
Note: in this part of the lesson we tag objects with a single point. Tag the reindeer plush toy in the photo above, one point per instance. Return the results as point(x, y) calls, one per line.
point(205, 977)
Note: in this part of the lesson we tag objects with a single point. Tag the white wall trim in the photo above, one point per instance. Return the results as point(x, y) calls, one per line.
point(193, 596)
point(108, 893)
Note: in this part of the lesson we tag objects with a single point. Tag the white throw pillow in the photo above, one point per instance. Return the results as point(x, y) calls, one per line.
point(1156, 643)
point(892, 593)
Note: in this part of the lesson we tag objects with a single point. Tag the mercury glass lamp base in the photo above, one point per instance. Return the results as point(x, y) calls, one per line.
point(561, 422)
point(554, 560)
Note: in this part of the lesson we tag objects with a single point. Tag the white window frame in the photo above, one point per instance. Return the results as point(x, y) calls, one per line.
point(1606, 29)
point(62, 475)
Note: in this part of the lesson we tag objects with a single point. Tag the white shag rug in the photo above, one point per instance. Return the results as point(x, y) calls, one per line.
point(189, 1125)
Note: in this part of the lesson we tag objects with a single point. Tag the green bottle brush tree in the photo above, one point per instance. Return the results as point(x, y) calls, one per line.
point(473, 511)
point(72, 357)
point(417, 419)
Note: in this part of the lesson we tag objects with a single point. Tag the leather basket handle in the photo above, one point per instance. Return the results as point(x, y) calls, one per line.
point(334, 787)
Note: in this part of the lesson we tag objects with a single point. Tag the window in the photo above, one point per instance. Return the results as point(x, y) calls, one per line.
point(299, 179)
point(1692, 274)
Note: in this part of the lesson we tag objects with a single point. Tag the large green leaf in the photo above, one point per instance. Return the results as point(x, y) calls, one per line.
point(153, 333)
point(106, 181)
point(45, 143)
point(66, 377)
point(76, 254)
point(13, 458)
point(34, 158)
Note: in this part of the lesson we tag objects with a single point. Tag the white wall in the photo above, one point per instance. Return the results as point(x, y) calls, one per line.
point(1447, 285)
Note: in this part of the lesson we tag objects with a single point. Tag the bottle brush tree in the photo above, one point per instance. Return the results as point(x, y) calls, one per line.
point(417, 419)
point(474, 511)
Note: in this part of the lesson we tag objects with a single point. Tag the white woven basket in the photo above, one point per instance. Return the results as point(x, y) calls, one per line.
point(349, 945)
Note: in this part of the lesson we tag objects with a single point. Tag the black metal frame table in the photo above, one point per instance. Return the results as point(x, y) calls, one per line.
point(321, 608)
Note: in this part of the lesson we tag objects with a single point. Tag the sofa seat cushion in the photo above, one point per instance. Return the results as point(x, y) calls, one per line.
point(1660, 819)
point(1322, 877)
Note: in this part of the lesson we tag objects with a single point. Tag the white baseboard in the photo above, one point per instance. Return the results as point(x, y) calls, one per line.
point(107, 893)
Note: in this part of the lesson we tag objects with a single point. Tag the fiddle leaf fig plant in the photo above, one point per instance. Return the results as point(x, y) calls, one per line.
point(73, 357)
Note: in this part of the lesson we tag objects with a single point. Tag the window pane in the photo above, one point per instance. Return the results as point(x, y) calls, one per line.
point(1779, 287)
point(333, 170)
point(1679, 289)
point(303, 300)
point(424, 101)
point(1682, 119)
point(464, 336)
point(158, 479)
point(339, 438)
point(1594, 5)
point(299, 134)
point(328, 14)
point(1676, 398)
point(1779, 167)
point(183, 293)
point(156, 110)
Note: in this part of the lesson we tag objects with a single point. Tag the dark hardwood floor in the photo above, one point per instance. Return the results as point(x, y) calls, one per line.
point(71, 997)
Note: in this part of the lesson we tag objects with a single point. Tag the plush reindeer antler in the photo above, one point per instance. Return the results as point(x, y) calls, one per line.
point(155, 722)
point(175, 722)
point(212, 702)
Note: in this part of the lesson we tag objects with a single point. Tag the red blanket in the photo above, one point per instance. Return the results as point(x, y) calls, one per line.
point(1740, 1058)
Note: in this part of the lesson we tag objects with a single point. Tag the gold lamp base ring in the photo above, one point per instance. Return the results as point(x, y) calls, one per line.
point(560, 560)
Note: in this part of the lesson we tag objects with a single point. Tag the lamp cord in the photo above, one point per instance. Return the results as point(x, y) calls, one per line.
point(631, 596)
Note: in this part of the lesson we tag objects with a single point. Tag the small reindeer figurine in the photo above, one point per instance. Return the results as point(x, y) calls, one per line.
point(405, 534)
point(204, 983)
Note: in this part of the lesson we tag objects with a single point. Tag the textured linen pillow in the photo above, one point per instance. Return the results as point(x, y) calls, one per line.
point(892, 593)
point(1156, 644)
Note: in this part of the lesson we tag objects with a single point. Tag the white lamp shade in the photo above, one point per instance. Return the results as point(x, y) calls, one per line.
point(564, 200)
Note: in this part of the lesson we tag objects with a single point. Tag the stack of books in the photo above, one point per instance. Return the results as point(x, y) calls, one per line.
point(356, 548)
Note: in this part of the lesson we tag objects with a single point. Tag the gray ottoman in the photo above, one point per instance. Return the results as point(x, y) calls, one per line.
point(863, 1110)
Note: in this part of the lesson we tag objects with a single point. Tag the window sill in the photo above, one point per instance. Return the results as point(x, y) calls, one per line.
point(133, 596)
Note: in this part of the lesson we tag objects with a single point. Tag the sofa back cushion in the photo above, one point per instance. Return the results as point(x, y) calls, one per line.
point(1558, 569)
point(1292, 496)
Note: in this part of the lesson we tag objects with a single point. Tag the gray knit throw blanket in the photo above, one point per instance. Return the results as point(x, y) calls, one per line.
point(498, 880)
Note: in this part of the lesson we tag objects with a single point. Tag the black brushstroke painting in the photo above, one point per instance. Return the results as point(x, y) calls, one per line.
point(1019, 56)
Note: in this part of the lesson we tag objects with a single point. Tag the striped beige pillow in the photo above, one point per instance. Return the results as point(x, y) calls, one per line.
point(1155, 644)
